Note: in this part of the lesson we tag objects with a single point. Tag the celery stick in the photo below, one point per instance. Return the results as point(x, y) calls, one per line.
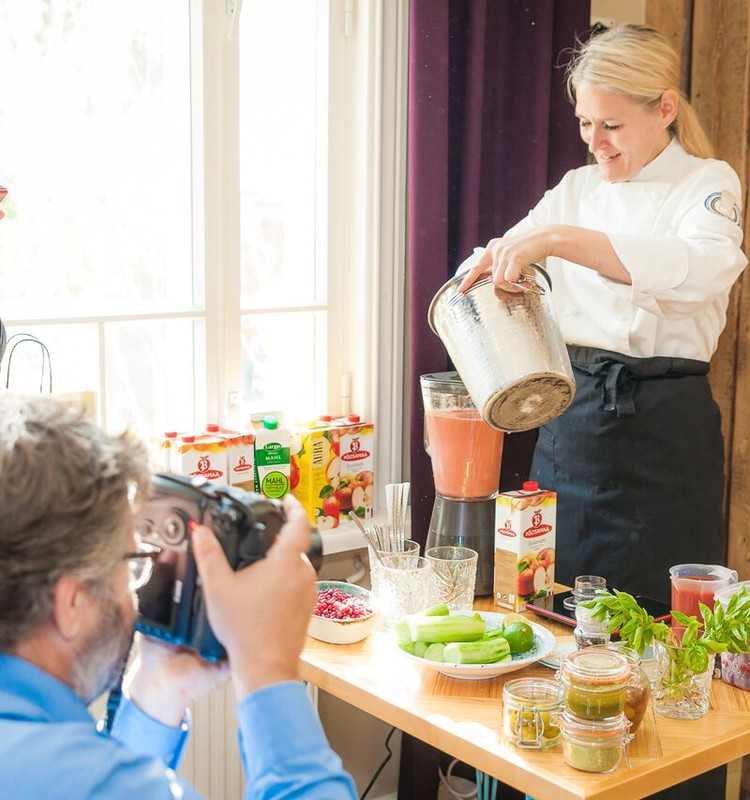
point(453, 628)
point(419, 649)
point(402, 632)
point(486, 651)
point(435, 652)
point(440, 610)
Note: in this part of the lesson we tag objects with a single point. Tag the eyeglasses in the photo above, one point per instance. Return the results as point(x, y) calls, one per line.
point(141, 563)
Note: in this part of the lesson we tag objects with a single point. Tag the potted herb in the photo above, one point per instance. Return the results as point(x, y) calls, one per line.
point(684, 655)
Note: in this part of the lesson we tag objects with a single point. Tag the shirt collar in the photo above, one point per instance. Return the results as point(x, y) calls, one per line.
point(660, 168)
point(28, 692)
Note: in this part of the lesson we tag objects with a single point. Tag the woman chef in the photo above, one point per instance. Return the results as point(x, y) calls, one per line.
point(643, 248)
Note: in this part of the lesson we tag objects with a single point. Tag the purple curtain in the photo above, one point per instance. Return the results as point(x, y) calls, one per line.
point(490, 129)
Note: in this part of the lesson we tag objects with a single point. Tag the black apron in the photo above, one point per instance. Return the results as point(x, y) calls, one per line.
point(637, 462)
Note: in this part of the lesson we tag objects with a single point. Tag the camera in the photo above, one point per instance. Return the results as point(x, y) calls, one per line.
point(171, 603)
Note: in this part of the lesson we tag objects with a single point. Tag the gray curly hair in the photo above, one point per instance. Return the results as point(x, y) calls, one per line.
point(66, 488)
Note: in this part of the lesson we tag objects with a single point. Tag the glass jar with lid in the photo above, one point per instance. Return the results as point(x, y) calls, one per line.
point(594, 745)
point(531, 709)
point(638, 689)
point(589, 632)
point(594, 680)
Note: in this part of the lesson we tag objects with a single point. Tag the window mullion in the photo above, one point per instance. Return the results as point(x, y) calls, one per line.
point(216, 199)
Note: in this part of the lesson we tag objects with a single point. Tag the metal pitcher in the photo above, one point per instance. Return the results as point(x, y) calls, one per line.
point(507, 348)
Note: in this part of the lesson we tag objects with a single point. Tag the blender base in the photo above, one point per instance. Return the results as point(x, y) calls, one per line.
point(467, 523)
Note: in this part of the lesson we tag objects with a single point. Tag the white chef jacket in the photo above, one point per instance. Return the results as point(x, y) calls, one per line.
point(677, 228)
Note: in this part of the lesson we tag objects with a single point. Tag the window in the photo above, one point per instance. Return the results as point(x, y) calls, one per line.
point(196, 208)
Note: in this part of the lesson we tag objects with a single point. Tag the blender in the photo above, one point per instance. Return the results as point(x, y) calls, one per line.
point(465, 453)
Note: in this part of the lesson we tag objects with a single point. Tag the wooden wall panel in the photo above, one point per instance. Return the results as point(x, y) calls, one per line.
point(713, 38)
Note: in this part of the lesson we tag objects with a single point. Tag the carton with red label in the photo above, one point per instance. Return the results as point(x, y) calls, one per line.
point(524, 545)
point(356, 488)
point(200, 455)
point(240, 455)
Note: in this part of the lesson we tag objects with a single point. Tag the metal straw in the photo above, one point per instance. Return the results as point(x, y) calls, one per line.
point(368, 536)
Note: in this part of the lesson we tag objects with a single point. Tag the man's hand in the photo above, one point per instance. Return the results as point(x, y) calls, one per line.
point(260, 613)
point(164, 679)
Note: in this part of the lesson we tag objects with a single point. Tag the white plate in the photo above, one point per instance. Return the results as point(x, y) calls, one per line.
point(544, 643)
point(566, 645)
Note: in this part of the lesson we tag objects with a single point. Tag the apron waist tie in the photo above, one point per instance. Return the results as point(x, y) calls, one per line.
point(620, 373)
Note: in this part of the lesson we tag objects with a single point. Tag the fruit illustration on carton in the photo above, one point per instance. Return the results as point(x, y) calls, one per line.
point(357, 480)
point(315, 475)
point(524, 546)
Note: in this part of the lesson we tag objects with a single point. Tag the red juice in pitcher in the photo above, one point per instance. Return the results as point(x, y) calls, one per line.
point(465, 453)
point(690, 592)
point(697, 583)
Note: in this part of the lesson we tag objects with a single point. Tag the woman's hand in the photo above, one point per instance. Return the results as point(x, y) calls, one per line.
point(507, 259)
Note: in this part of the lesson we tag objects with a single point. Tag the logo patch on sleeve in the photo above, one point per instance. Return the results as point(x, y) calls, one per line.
point(725, 205)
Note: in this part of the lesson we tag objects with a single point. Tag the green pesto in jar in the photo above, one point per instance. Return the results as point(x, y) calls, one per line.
point(594, 703)
point(594, 681)
point(590, 757)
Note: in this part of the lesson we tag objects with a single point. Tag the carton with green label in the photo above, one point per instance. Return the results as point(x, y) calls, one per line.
point(272, 458)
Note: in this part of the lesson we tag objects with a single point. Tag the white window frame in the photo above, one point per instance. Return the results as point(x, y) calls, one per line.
point(367, 218)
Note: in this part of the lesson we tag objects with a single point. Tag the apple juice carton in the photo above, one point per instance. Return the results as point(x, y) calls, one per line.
point(272, 458)
point(240, 455)
point(356, 465)
point(315, 471)
point(200, 455)
point(524, 545)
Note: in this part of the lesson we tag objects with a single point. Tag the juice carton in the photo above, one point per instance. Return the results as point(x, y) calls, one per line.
point(315, 472)
point(357, 465)
point(524, 545)
point(160, 451)
point(201, 455)
point(240, 455)
point(272, 458)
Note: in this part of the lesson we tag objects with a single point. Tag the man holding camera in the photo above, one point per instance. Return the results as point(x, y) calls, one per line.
point(68, 559)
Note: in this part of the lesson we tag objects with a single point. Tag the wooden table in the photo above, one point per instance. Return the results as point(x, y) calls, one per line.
point(463, 718)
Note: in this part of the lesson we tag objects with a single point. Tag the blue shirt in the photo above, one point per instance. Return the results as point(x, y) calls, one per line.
point(50, 747)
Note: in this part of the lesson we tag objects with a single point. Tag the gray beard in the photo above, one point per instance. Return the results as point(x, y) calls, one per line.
point(104, 655)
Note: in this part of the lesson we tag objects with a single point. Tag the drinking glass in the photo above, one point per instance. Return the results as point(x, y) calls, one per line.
point(410, 547)
point(454, 576)
point(404, 586)
point(584, 588)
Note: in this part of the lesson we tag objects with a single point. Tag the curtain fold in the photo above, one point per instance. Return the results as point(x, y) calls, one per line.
point(489, 129)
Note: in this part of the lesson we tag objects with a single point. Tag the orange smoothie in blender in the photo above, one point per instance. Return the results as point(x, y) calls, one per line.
point(465, 453)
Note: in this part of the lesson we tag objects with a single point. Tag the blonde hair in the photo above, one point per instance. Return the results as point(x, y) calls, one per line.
point(639, 62)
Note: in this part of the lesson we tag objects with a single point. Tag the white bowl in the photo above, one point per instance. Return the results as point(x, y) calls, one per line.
point(544, 644)
point(344, 631)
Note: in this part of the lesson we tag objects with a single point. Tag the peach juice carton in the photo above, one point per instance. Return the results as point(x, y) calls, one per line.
point(240, 455)
point(200, 455)
point(524, 545)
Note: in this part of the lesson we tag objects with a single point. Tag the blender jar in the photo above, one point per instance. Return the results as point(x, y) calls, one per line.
point(464, 449)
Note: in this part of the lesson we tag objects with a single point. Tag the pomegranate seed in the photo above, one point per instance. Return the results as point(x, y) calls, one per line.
point(335, 604)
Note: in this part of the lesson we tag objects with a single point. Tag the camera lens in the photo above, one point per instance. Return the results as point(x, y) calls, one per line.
point(145, 530)
point(174, 528)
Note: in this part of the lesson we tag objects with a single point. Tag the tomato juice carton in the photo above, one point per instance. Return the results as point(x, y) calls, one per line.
point(240, 455)
point(524, 545)
point(200, 455)
point(315, 472)
point(356, 449)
